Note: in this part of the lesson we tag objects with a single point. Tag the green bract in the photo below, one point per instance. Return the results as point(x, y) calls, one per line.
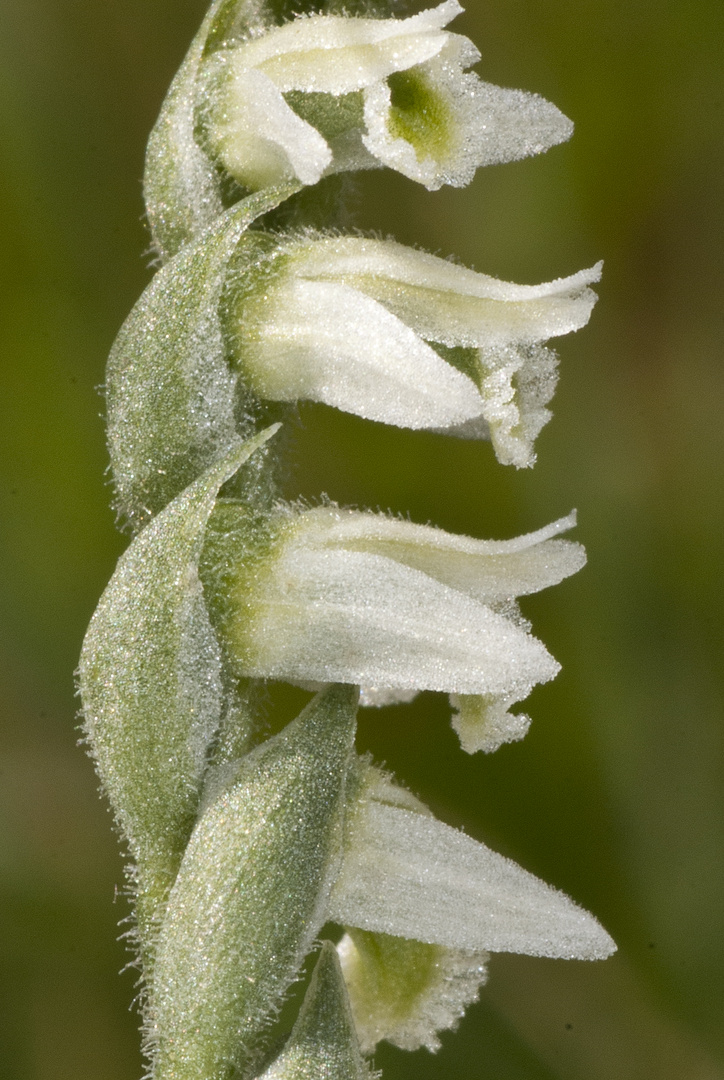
point(251, 894)
point(172, 409)
point(150, 680)
point(323, 1042)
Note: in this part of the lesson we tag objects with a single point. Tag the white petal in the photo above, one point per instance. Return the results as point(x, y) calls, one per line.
point(484, 723)
point(448, 303)
point(337, 55)
point(489, 570)
point(348, 616)
point(412, 876)
point(324, 341)
point(261, 140)
point(469, 123)
point(405, 991)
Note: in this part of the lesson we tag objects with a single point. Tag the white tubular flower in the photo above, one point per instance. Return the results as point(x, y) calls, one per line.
point(406, 338)
point(341, 596)
point(324, 93)
point(424, 905)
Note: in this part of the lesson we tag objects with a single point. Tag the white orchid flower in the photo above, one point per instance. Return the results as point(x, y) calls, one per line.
point(406, 338)
point(423, 906)
point(323, 93)
point(341, 596)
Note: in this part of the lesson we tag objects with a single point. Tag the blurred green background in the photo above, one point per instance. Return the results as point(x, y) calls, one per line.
point(617, 794)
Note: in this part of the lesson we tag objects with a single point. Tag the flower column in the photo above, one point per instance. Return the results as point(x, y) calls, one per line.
point(242, 847)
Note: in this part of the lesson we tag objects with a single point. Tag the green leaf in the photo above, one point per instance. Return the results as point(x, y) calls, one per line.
point(251, 894)
point(170, 391)
point(151, 689)
point(323, 1042)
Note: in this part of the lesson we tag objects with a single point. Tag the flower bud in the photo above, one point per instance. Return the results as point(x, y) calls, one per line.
point(332, 595)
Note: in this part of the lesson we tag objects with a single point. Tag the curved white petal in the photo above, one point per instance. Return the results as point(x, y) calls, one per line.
point(337, 55)
point(261, 141)
point(351, 617)
point(412, 876)
point(489, 570)
point(328, 342)
point(448, 303)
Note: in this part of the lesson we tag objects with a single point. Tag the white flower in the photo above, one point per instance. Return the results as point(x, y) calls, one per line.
point(342, 596)
point(399, 336)
point(423, 905)
point(376, 91)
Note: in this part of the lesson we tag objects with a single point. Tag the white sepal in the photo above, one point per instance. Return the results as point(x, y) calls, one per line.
point(265, 142)
point(325, 341)
point(408, 875)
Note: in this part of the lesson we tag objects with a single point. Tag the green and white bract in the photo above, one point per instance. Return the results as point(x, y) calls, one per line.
point(323, 1042)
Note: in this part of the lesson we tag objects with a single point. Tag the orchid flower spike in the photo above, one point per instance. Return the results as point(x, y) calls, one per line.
point(326, 93)
point(333, 595)
point(406, 338)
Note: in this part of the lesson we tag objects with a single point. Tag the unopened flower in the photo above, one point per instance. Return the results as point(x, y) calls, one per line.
point(403, 337)
point(324, 93)
point(334, 595)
